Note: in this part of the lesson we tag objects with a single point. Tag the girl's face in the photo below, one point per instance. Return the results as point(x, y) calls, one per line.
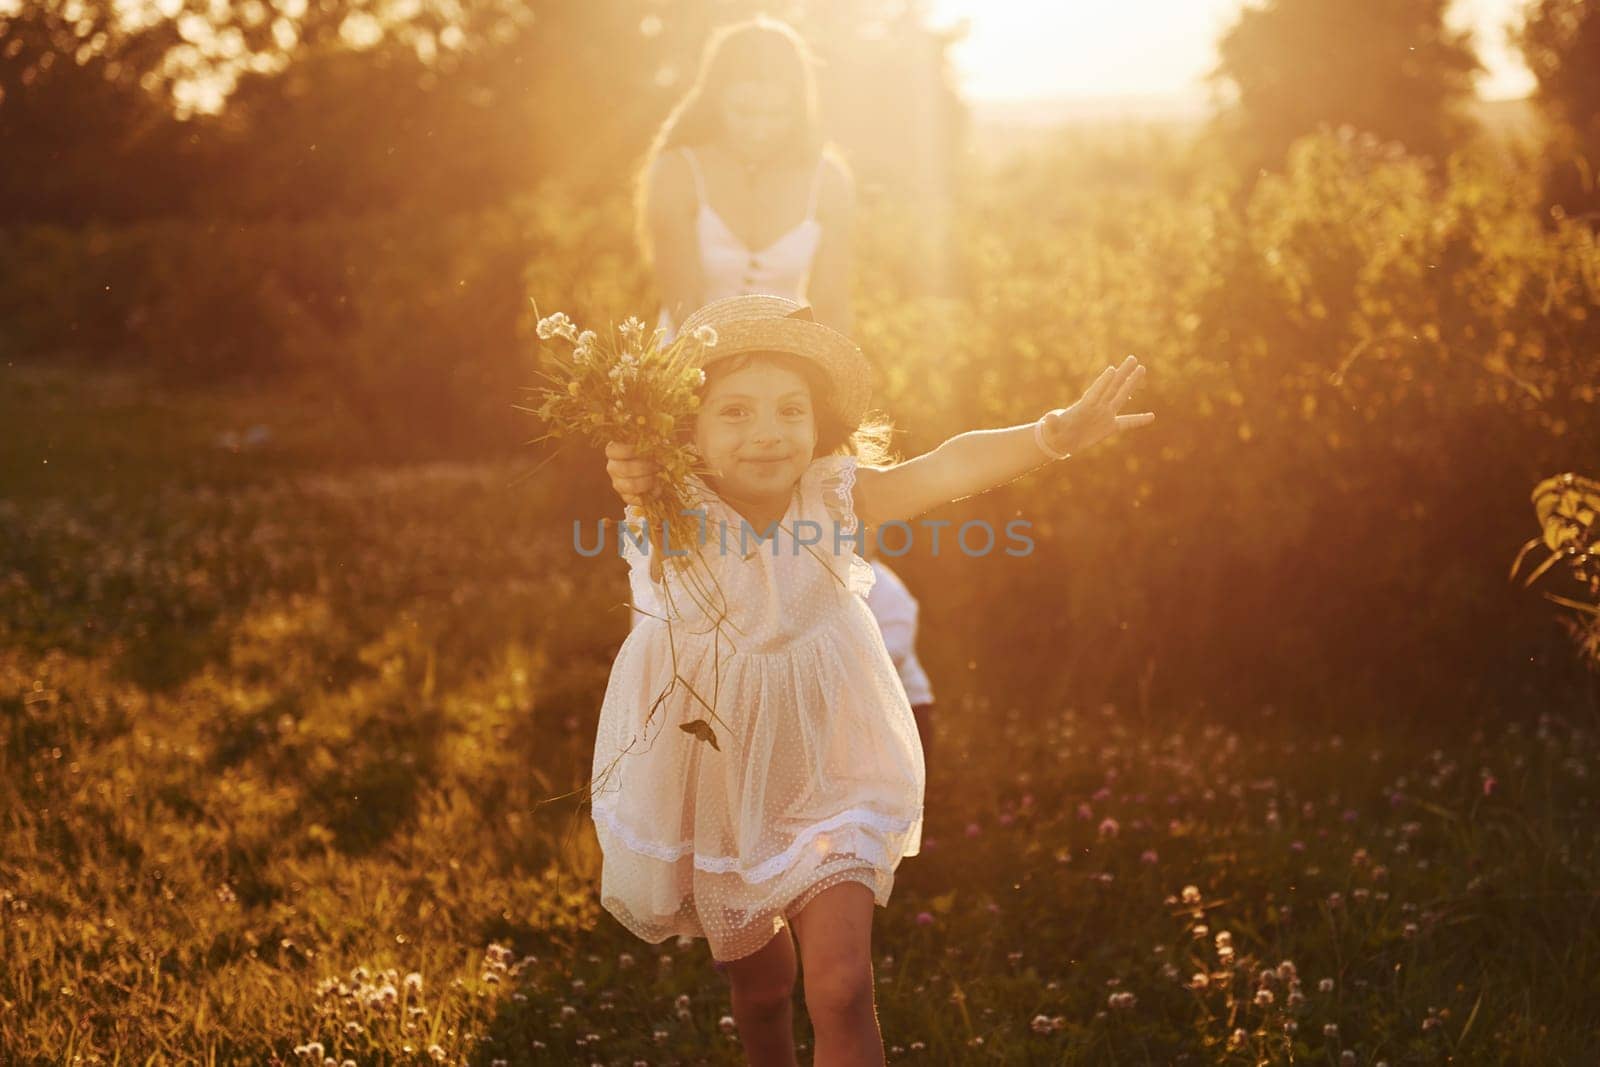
point(756, 116)
point(756, 430)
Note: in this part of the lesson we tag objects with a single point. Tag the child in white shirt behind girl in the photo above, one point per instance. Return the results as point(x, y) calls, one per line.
point(896, 611)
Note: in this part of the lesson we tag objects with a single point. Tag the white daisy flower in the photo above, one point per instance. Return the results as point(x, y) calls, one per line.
point(557, 325)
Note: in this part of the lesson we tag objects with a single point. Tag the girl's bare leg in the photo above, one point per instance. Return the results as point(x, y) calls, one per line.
point(763, 1001)
point(835, 933)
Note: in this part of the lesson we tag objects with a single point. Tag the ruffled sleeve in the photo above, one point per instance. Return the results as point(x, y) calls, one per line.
point(836, 482)
point(832, 480)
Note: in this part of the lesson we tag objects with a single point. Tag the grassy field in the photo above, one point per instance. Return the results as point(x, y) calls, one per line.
point(277, 730)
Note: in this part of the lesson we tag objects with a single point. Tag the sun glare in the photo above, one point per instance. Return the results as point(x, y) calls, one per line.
point(1021, 50)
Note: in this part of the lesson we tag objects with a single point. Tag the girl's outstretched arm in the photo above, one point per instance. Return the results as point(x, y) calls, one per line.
point(979, 460)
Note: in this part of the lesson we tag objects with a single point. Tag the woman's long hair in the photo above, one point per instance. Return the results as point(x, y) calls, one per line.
point(762, 48)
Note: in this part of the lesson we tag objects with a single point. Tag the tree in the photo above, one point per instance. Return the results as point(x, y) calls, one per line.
point(83, 136)
point(1386, 67)
point(344, 107)
point(1560, 40)
point(568, 88)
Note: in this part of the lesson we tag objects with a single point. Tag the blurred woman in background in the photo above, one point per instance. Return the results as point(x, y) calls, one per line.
point(739, 192)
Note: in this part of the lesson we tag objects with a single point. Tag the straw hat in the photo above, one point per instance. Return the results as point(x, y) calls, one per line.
point(760, 323)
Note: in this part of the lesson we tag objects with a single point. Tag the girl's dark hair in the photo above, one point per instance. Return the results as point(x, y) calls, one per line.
point(868, 442)
point(762, 48)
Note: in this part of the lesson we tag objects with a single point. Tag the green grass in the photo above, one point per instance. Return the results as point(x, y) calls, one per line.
point(275, 730)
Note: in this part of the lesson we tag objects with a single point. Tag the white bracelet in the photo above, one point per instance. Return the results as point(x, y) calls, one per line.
point(1038, 437)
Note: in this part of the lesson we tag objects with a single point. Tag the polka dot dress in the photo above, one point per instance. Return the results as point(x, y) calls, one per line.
point(818, 775)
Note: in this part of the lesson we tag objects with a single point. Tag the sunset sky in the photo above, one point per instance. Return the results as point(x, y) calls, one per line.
point(1021, 49)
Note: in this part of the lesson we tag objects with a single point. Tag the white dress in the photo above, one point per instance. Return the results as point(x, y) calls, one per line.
point(818, 776)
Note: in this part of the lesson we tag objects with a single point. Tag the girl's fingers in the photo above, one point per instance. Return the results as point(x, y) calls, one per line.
point(1097, 387)
point(1108, 383)
point(632, 468)
point(1125, 372)
point(1120, 374)
point(1134, 378)
point(624, 486)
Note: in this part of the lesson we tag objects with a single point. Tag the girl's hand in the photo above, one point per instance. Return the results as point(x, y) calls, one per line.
point(632, 478)
point(1095, 415)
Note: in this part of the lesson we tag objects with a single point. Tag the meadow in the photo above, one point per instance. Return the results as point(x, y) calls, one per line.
point(285, 742)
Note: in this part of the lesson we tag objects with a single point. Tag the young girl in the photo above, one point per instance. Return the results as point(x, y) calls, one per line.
point(800, 813)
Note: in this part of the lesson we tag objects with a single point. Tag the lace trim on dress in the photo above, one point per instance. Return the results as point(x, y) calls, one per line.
point(768, 869)
point(837, 482)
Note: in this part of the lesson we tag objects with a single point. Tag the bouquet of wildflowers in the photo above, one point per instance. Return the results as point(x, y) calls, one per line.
point(627, 386)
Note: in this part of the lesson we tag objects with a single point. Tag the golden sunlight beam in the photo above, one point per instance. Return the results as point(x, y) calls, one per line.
point(1021, 49)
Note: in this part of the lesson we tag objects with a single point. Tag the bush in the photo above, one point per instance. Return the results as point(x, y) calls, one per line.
point(406, 320)
point(1358, 371)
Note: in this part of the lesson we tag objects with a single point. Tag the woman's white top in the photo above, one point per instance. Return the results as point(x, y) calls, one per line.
point(896, 611)
point(730, 268)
